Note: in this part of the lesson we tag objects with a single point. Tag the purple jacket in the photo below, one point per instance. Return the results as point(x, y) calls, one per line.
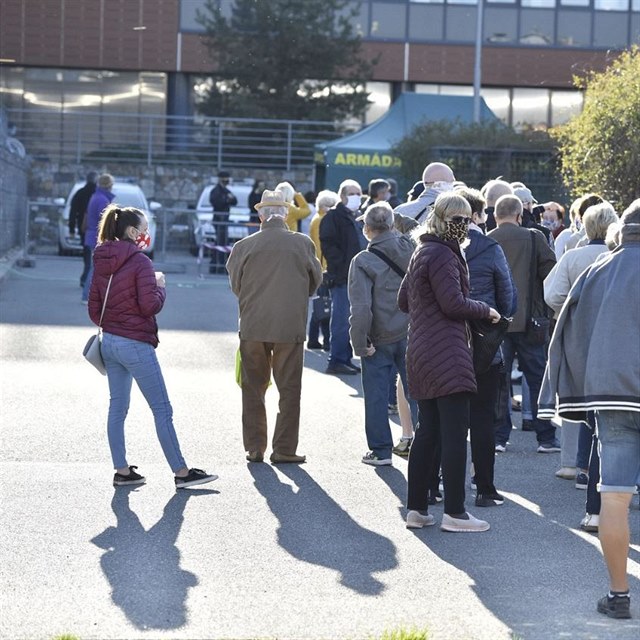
point(435, 295)
point(134, 297)
point(97, 204)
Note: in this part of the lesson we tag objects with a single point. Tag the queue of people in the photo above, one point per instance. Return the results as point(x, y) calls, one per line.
point(406, 286)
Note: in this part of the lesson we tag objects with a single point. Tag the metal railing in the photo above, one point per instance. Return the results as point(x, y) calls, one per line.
point(92, 137)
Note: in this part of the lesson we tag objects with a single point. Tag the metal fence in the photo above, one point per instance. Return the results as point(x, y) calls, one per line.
point(92, 137)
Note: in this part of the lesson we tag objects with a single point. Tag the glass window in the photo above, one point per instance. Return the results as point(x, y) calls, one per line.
point(536, 26)
point(565, 105)
point(461, 24)
point(635, 5)
point(429, 1)
point(635, 29)
point(574, 3)
point(456, 90)
point(574, 28)
point(426, 23)
point(500, 25)
point(422, 87)
point(462, 1)
point(188, 12)
point(499, 101)
point(610, 29)
point(380, 99)
point(544, 4)
point(12, 87)
point(359, 22)
point(388, 20)
point(611, 5)
point(531, 107)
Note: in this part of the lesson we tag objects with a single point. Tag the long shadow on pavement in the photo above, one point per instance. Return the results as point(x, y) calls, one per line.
point(315, 529)
point(143, 567)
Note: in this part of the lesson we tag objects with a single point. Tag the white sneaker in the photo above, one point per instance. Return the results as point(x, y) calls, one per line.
point(590, 522)
point(456, 524)
point(566, 473)
point(415, 520)
point(501, 448)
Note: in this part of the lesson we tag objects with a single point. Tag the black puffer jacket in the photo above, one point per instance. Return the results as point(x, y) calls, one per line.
point(341, 239)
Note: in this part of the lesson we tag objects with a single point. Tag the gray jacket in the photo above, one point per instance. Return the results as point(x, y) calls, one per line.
point(594, 355)
point(373, 293)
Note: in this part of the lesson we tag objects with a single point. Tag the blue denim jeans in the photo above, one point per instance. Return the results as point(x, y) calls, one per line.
point(532, 359)
point(619, 448)
point(585, 437)
point(126, 360)
point(526, 400)
point(341, 352)
point(376, 370)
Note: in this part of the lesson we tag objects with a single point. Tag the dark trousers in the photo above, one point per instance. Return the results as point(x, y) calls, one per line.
point(443, 426)
point(86, 257)
point(483, 440)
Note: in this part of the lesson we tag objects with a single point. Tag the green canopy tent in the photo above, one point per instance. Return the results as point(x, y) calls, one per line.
point(366, 155)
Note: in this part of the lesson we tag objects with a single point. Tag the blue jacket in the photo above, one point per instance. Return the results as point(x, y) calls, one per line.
point(97, 204)
point(489, 275)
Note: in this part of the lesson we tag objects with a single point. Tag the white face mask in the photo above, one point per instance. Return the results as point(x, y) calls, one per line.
point(353, 202)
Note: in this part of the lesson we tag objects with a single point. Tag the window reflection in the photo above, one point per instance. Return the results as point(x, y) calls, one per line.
point(565, 105)
point(461, 24)
point(530, 107)
point(536, 27)
point(426, 23)
point(574, 28)
point(500, 25)
point(388, 20)
point(610, 29)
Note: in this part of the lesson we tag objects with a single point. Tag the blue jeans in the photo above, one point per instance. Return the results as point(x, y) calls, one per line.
point(341, 352)
point(619, 448)
point(526, 399)
point(585, 437)
point(376, 370)
point(532, 359)
point(126, 360)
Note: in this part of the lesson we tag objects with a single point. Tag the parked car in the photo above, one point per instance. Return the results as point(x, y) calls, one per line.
point(127, 195)
point(202, 222)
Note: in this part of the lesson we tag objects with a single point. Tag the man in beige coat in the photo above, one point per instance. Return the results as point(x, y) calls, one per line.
point(273, 273)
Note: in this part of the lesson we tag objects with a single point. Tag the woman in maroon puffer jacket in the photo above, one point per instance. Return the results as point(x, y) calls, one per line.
point(134, 294)
point(435, 294)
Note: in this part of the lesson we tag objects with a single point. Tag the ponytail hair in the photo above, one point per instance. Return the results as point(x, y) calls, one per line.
point(115, 220)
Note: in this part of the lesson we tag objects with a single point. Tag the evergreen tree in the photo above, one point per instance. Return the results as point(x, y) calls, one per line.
point(293, 59)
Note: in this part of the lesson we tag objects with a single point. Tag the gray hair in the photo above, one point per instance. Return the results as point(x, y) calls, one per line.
point(348, 183)
point(379, 217)
point(508, 206)
point(596, 220)
point(493, 189)
point(327, 199)
point(269, 211)
point(630, 223)
point(286, 190)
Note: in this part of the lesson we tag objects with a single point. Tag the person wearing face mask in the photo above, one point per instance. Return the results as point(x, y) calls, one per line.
point(125, 296)
point(440, 373)
point(378, 328)
point(100, 199)
point(437, 178)
point(341, 239)
point(490, 280)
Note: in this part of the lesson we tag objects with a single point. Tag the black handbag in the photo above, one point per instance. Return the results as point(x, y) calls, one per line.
point(322, 307)
point(486, 338)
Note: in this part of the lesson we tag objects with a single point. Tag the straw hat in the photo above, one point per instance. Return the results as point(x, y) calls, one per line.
point(272, 199)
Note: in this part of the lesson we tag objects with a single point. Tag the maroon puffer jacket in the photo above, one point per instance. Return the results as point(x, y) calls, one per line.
point(435, 295)
point(134, 297)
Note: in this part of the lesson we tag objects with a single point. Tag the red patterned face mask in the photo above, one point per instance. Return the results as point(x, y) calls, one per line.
point(143, 241)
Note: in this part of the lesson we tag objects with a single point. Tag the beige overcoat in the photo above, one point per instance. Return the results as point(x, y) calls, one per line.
point(273, 272)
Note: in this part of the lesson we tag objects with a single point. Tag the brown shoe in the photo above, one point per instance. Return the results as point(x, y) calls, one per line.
point(283, 458)
point(255, 456)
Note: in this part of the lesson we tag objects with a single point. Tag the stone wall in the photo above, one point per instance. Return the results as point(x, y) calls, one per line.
point(13, 199)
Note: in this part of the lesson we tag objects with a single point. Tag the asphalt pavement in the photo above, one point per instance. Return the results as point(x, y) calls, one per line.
point(315, 551)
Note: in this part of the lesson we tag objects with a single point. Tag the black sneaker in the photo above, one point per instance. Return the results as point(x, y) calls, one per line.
point(616, 607)
point(434, 496)
point(489, 500)
point(194, 477)
point(132, 477)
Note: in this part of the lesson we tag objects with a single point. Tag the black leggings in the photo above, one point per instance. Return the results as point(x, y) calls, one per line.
point(483, 440)
point(443, 425)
